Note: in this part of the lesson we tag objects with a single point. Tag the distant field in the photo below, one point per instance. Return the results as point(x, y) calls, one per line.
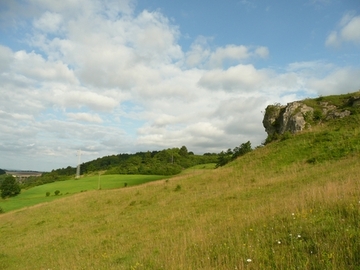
point(37, 194)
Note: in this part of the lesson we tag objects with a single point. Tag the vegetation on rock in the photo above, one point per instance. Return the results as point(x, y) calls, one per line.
point(301, 115)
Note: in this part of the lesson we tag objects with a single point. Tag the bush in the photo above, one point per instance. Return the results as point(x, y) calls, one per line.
point(178, 188)
point(57, 192)
point(125, 184)
point(318, 115)
point(47, 194)
point(1, 210)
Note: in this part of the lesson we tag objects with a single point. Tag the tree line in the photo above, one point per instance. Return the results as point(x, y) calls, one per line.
point(169, 161)
point(165, 162)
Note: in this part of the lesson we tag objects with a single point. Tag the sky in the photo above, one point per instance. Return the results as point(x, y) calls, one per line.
point(122, 76)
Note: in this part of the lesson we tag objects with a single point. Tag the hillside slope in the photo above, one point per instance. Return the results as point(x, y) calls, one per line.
point(292, 204)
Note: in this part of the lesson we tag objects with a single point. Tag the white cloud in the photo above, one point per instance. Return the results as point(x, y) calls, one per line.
point(201, 55)
point(349, 31)
point(228, 53)
point(49, 22)
point(333, 39)
point(240, 78)
point(77, 99)
point(195, 135)
point(153, 36)
point(341, 81)
point(262, 52)
point(199, 52)
point(15, 116)
point(34, 66)
point(205, 130)
point(5, 58)
point(87, 117)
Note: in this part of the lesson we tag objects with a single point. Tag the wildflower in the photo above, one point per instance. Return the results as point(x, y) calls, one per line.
point(299, 236)
point(249, 260)
point(279, 242)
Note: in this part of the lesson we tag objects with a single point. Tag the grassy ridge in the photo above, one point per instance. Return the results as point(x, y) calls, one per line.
point(293, 204)
point(37, 194)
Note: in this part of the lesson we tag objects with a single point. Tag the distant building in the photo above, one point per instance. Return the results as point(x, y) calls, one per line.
point(21, 176)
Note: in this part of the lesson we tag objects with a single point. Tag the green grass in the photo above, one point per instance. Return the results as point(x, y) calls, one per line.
point(199, 168)
point(217, 220)
point(37, 194)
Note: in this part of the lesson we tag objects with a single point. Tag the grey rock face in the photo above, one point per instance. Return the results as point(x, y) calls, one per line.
point(279, 119)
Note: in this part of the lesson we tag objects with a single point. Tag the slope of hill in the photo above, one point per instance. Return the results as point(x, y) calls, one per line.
point(292, 204)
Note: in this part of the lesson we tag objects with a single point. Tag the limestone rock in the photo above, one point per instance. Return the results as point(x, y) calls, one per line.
point(279, 119)
point(335, 114)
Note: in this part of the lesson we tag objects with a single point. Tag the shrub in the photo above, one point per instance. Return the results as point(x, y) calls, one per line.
point(287, 135)
point(47, 194)
point(317, 115)
point(132, 203)
point(57, 192)
point(1, 210)
point(178, 188)
point(125, 184)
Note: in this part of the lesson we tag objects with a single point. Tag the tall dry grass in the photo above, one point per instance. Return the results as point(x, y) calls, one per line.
point(302, 217)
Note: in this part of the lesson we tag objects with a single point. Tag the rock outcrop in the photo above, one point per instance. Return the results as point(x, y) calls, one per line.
point(297, 116)
point(279, 119)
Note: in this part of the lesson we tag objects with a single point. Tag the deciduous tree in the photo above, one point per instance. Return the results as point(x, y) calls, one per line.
point(9, 187)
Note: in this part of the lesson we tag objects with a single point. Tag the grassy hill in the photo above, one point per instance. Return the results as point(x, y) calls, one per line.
point(292, 204)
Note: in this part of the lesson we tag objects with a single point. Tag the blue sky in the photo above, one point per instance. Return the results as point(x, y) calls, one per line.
point(121, 76)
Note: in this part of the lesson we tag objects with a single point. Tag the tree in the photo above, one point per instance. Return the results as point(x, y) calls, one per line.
point(229, 155)
point(9, 187)
point(183, 151)
point(224, 158)
point(242, 149)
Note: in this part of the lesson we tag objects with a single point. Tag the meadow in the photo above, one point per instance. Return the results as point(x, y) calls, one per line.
point(292, 204)
point(72, 186)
